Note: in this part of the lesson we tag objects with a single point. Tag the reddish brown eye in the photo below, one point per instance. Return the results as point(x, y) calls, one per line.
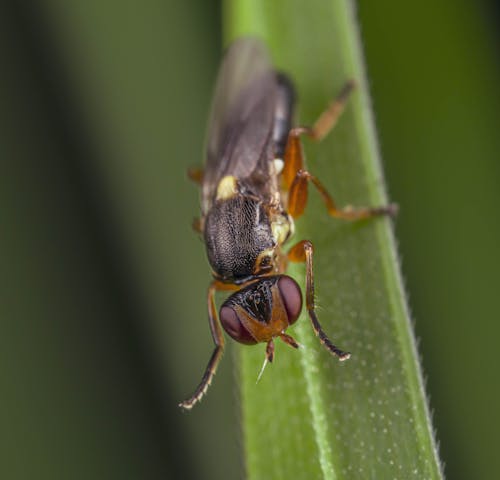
point(291, 296)
point(233, 326)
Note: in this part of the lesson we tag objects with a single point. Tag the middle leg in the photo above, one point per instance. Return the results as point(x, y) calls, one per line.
point(298, 194)
point(296, 178)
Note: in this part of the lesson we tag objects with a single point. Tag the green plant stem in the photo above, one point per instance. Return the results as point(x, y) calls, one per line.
point(310, 416)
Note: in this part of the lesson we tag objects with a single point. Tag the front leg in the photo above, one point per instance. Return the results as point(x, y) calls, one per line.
point(303, 252)
point(218, 337)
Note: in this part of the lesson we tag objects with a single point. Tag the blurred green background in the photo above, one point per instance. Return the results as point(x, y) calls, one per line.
point(102, 296)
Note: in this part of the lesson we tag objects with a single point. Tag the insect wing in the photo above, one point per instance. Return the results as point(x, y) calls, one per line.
point(239, 138)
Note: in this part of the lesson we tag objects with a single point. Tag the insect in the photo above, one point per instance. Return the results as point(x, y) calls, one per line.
point(252, 187)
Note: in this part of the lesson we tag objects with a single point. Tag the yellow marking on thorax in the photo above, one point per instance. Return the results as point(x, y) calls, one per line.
point(278, 165)
point(282, 228)
point(227, 188)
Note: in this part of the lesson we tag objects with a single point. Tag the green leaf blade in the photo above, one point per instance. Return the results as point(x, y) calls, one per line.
point(311, 416)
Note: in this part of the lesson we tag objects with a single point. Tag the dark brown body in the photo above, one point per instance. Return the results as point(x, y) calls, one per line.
point(244, 220)
point(253, 185)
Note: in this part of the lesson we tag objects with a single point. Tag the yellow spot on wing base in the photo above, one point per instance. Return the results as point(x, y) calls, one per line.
point(227, 187)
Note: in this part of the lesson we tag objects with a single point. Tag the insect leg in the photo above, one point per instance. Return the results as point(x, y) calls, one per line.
point(197, 225)
point(297, 200)
point(296, 179)
point(303, 252)
point(195, 174)
point(329, 117)
point(211, 368)
point(294, 155)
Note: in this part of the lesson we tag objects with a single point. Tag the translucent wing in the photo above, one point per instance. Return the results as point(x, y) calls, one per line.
point(240, 130)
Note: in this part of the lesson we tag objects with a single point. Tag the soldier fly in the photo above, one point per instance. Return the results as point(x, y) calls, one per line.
point(252, 187)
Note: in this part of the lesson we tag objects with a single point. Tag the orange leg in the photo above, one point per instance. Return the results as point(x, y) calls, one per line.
point(218, 337)
point(195, 174)
point(329, 117)
point(294, 156)
point(296, 179)
point(303, 252)
point(297, 201)
point(293, 152)
point(197, 225)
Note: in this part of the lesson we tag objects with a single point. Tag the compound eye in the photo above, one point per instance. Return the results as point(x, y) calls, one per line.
point(291, 296)
point(233, 326)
